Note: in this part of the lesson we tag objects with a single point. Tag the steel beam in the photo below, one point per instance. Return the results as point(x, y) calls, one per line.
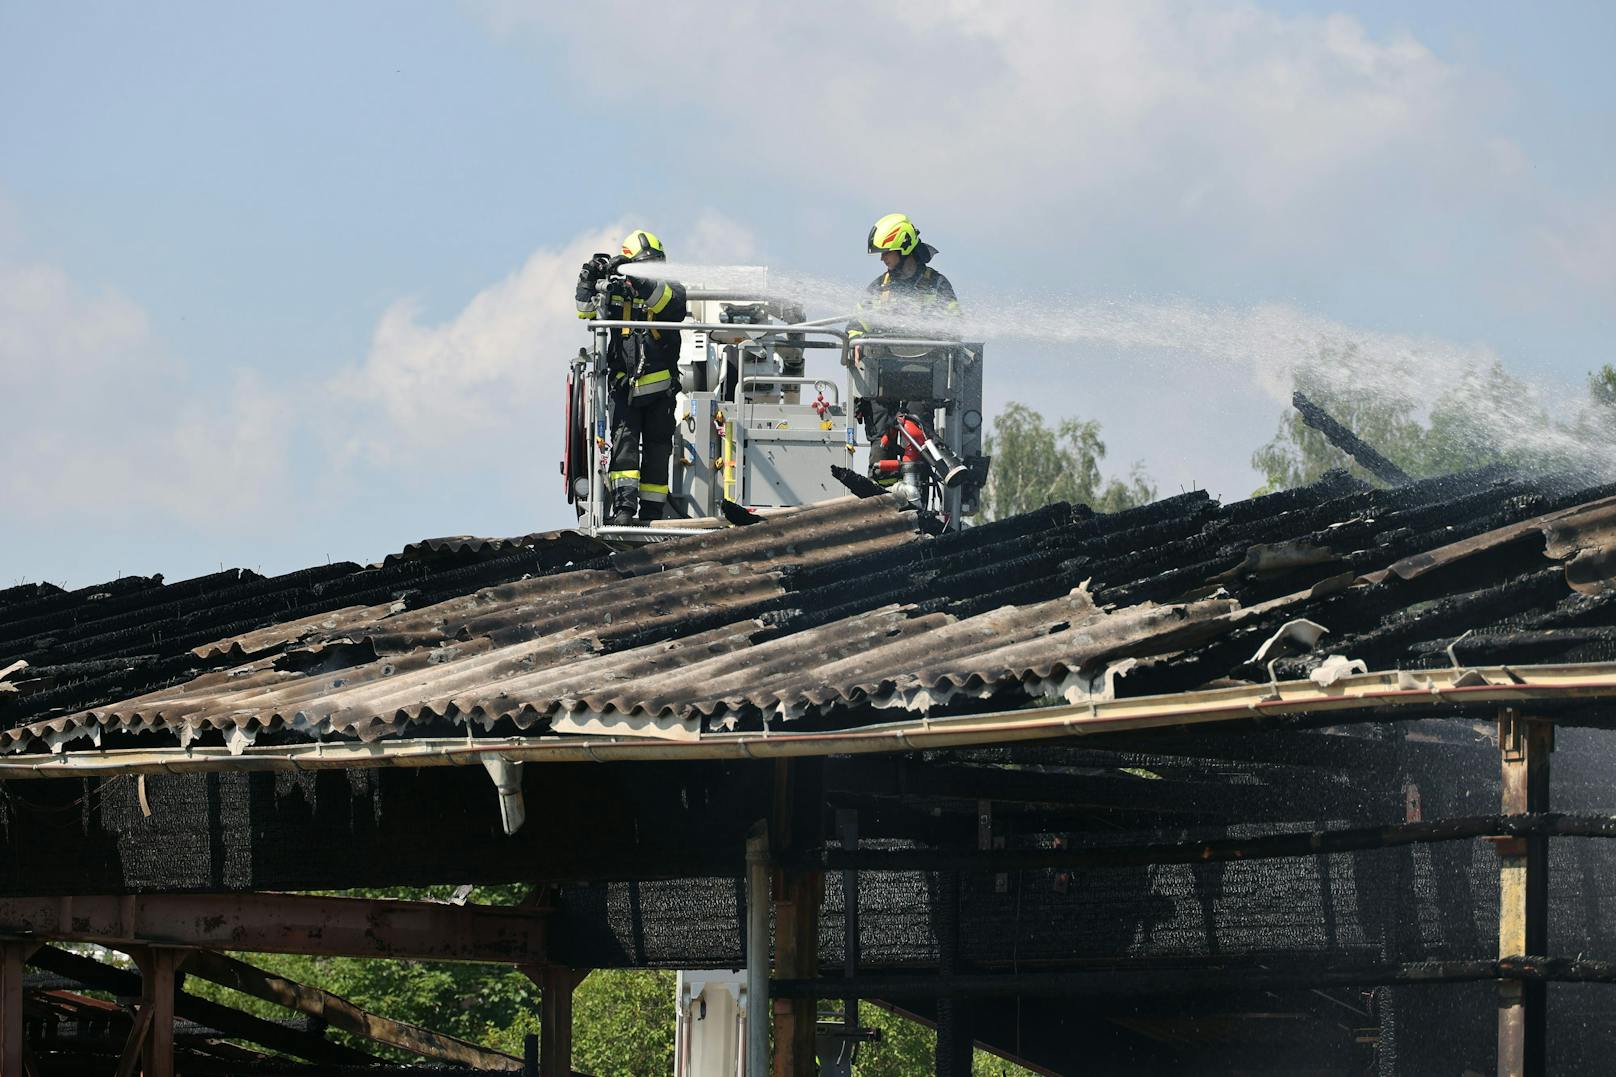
point(757, 952)
point(1524, 746)
point(1268, 847)
point(1162, 982)
point(286, 924)
point(339, 1013)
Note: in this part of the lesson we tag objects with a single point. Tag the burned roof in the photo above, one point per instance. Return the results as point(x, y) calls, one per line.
point(834, 614)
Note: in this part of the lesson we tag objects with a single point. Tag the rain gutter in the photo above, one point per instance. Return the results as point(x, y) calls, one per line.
point(1515, 686)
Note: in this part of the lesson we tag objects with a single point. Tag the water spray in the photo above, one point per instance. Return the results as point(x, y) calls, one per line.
point(1276, 348)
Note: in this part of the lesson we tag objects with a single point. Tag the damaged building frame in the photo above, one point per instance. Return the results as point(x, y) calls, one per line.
point(1190, 788)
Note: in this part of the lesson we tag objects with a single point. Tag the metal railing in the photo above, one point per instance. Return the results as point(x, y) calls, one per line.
point(776, 334)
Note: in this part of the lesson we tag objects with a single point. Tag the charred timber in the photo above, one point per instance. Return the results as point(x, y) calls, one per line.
point(1199, 980)
point(1348, 442)
point(223, 1019)
point(341, 1014)
point(1271, 847)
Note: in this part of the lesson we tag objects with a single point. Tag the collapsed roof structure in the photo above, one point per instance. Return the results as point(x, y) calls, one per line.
point(1215, 773)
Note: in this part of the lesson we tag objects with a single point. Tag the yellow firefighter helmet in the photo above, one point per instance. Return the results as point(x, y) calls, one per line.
point(894, 232)
point(640, 246)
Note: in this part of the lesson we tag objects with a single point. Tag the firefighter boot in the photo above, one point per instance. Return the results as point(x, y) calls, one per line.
point(625, 503)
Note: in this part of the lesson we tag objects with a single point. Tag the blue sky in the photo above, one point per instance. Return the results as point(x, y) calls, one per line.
point(289, 283)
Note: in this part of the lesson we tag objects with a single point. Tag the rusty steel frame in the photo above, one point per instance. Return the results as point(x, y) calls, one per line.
point(286, 924)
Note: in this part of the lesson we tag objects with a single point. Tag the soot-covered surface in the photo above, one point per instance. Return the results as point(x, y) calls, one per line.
point(828, 617)
point(839, 614)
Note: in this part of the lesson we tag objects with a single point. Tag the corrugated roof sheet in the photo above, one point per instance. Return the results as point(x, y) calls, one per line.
point(825, 614)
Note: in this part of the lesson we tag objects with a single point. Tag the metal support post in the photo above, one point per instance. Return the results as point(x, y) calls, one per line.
point(13, 956)
point(1523, 922)
point(757, 952)
point(955, 1039)
point(847, 834)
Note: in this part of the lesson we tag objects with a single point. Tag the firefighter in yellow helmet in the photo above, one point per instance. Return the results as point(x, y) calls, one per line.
point(910, 294)
point(909, 299)
point(644, 368)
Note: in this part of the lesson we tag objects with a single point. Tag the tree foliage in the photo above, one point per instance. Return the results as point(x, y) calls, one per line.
point(623, 1019)
point(908, 1048)
point(1034, 465)
point(462, 1000)
point(1483, 416)
point(622, 1024)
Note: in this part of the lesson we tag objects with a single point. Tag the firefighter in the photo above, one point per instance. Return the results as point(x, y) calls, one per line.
point(643, 365)
point(907, 300)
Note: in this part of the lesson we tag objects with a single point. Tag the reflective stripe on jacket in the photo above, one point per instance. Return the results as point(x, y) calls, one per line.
point(651, 356)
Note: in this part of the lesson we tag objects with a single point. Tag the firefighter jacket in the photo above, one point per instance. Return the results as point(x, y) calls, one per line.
point(903, 306)
point(643, 361)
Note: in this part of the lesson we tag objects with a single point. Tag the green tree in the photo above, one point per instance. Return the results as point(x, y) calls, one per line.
point(1298, 454)
point(1602, 387)
point(1485, 416)
point(622, 1024)
point(908, 1048)
point(1034, 465)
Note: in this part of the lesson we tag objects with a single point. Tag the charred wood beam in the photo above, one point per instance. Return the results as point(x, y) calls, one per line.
point(158, 986)
point(1309, 748)
point(223, 1019)
point(1199, 980)
point(938, 822)
point(909, 779)
point(339, 1013)
point(13, 955)
point(1270, 847)
point(1523, 907)
point(1348, 442)
point(287, 924)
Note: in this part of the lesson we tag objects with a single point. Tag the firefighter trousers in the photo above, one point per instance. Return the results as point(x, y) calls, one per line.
point(642, 447)
point(879, 415)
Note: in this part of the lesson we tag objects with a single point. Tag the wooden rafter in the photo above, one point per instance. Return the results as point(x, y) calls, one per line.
point(339, 1013)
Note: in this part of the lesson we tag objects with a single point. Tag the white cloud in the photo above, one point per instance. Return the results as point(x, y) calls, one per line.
point(102, 422)
point(108, 429)
point(1068, 111)
point(491, 368)
point(494, 373)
